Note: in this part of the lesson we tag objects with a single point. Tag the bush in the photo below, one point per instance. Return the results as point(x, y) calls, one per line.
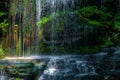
point(93, 16)
point(4, 24)
point(2, 53)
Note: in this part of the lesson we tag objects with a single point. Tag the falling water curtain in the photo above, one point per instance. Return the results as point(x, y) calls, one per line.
point(22, 16)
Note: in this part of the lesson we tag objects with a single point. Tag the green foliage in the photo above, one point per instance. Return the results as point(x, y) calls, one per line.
point(44, 48)
point(12, 9)
point(115, 38)
point(89, 11)
point(94, 22)
point(26, 3)
point(92, 15)
point(2, 52)
point(88, 49)
point(108, 42)
point(111, 40)
point(16, 79)
point(3, 25)
point(105, 22)
point(50, 17)
point(117, 24)
point(3, 28)
point(44, 20)
point(2, 14)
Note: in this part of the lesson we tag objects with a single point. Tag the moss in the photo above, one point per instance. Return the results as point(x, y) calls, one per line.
point(88, 49)
point(2, 53)
point(16, 79)
point(117, 24)
point(44, 20)
point(50, 17)
point(94, 22)
point(108, 42)
point(92, 15)
point(3, 26)
point(44, 48)
point(107, 24)
point(2, 13)
point(12, 9)
point(89, 11)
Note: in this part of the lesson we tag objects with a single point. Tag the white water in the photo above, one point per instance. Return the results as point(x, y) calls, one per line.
point(3, 75)
point(66, 66)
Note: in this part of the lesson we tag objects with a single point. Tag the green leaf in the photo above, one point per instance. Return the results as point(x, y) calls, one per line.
point(2, 14)
point(117, 24)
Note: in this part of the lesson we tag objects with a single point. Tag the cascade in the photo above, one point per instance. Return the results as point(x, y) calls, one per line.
point(46, 26)
point(58, 33)
point(51, 27)
point(22, 32)
point(62, 67)
point(3, 75)
point(27, 31)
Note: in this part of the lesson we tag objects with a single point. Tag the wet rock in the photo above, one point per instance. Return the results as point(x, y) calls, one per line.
point(48, 77)
point(110, 49)
point(73, 67)
point(4, 77)
point(113, 77)
point(88, 77)
point(22, 70)
point(65, 69)
point(72, 61)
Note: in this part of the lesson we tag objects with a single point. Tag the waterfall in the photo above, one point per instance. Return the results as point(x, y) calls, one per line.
point(57, 30)
point(3, 75)
point(22, 33)
point(38, 9)
point(47, 26)
point(61, 67)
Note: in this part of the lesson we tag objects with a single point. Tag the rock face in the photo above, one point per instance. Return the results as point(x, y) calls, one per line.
point(70, 68)
point(101, 66)
point(20, 70)
point(23, 70)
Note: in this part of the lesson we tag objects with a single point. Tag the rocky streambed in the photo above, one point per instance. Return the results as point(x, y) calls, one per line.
point(100, 66)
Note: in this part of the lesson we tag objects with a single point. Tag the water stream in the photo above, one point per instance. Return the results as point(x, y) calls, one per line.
point(56, 27)
point(50, 27)
point(3, 75)
point(99, 66)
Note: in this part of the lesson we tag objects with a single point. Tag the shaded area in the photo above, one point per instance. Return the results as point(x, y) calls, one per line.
point(100, 66)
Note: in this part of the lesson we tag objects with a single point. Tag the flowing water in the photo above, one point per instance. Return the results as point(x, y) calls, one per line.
point(3, 75)
point(66, 68)
point(48, 26)
point(99, 66)
point(27, 36)
point(51, 27)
